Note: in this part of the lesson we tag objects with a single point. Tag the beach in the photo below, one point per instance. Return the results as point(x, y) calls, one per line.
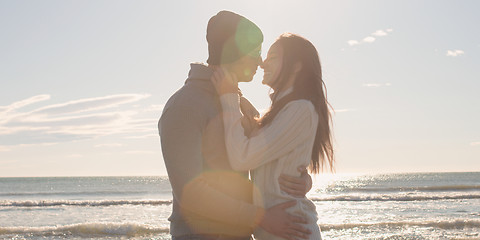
point(349, 206)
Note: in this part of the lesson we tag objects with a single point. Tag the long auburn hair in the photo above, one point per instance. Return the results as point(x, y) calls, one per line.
point(310, 86)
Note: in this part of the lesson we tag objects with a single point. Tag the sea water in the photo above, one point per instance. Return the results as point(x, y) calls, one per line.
point(349, 206)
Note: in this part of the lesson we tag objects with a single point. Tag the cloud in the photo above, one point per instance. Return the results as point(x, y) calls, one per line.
point(35, 137)
point(23, 103)
point(454, 53)
point(344, 110)
point(5, 111)
point(140, 152)
point(154, 108)
point(475, 144)
point(8, 162)
point(377, 84)
point(90, 104)
point(72, 121)
point(108, 145)
point(353, 42)
point(143, 136)
point(5, 149)
point(84, 120)
point(379, 33)
point(371, 38)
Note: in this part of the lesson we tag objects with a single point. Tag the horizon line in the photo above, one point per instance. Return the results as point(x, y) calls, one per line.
point(313, 175)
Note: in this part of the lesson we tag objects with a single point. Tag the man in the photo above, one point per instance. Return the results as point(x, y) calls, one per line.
point(210, 200)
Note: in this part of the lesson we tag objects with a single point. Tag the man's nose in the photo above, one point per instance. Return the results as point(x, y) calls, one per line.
point(260, 62)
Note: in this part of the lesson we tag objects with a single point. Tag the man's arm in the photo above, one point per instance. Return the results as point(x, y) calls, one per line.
point(296, 186)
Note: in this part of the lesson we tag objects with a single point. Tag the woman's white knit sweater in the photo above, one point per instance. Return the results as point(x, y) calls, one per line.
point(279, 147)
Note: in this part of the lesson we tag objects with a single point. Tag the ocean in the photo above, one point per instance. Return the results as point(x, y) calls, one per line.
point(349, 206)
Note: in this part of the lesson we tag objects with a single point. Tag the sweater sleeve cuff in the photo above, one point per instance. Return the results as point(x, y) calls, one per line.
point(230, 102)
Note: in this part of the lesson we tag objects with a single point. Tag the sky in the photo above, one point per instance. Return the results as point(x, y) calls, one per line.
point(83, 83)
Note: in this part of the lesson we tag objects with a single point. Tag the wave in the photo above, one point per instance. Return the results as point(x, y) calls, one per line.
point(87, 203)
point(134, 229)
point(400, 198)
point(450, 188)
point(456, 224)
point(87, 230)
point(343, 198)
point(95, 193)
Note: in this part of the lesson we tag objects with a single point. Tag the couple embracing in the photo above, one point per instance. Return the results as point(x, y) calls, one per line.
point(234, 173)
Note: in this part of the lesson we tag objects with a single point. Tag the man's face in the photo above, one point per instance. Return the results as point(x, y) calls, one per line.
point(246, 67)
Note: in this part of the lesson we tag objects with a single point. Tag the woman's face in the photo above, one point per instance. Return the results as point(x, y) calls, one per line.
point(272, 65)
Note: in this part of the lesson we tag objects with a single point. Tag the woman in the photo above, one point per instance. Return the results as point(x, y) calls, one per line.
point(294, 132)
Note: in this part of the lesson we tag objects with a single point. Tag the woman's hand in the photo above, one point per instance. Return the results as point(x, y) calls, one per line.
point(250, 116)
point(224, 81)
